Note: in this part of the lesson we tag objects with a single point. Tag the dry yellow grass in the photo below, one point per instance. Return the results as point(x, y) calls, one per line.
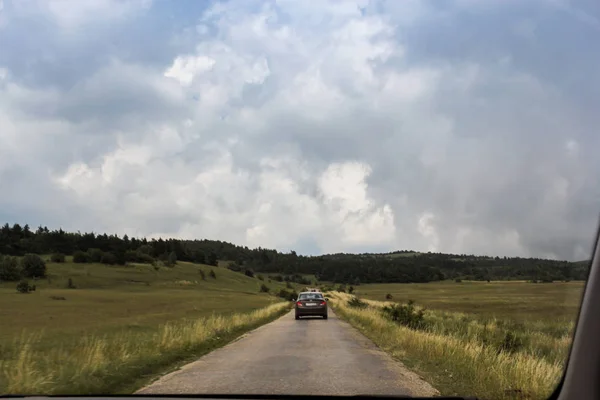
point(105, 364)
point(456, 361)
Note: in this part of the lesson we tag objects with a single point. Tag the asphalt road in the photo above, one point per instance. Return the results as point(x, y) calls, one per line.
point(309, 356)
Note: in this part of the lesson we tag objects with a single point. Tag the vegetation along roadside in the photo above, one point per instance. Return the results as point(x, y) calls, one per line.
point(459, 353)
point(121, 363)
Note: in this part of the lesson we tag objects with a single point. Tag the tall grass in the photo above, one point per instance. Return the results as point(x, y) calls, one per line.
point(113, 363)
point(465, 355)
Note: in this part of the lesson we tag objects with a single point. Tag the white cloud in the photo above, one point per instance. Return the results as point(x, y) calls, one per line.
point(326, 124)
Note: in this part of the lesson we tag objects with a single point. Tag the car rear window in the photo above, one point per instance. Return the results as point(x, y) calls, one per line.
point(310, 296)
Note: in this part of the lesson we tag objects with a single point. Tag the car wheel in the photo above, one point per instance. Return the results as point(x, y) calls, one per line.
point(297, 317)
point(325, 316)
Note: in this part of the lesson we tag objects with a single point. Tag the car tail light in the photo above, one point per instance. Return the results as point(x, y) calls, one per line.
point(323, 303)
point(299, 304)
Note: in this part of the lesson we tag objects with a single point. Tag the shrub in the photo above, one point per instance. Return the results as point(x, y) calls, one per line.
point(138, 256)
point(57, 258)
point(341, 288)
point(234, 266)
point(249, 272)
point(202, 274)
point(172, 259)
point(94, 255)
point(288, 285)
point(57, 298)
point(355, 302)
point(278, 278)
point(260, 277)
point(406, 314)
point(24, 287)
point(458, 280)
point(9, 269)
point(212, 274)
point(33, 266)
point(264, 288)
point(389, 296)
point(108, 258)
point(351, 289)
point(80, 257)
point(70, 284)
point(511, 343)
point(287, 295)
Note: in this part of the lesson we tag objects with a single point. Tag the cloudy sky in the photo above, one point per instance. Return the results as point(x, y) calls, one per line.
point(457, 126)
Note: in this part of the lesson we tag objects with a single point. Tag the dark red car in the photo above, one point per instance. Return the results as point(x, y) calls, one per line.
point(311, 304)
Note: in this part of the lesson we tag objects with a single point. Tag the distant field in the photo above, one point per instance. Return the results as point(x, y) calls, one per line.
point(114, 305)
point(506, 299)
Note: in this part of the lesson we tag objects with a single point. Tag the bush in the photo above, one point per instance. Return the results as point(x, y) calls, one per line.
point(33, 266)
point(278, 278)
point(341, 288)
point(249, 272)
point(81, 257)
point(202, 274)
point(351, 289)
point(260, 277)
point(94, 255)
point(264, 288)
point(9, 269)
point(172, 259)
point(138, 256)
point(406, 314)
point(70, 284)
point(288, 285)
point(212, 274)
point(511, 343)
point(25, 287)
point(284, 294)
point(458, 280)
point(389, 296)
point(57, 258)
point(108, 258)
point(355, 302)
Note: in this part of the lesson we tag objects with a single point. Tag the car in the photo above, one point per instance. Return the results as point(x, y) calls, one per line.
point(311, 304)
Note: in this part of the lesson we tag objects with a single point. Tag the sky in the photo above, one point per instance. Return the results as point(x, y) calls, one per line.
point(460, 126)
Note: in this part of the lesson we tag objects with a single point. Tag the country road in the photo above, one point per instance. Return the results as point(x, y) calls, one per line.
point(309, 356)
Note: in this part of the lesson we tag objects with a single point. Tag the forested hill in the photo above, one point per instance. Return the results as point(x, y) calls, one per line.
point(399, 266)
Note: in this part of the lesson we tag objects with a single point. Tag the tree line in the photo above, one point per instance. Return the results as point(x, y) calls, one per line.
point(400, 266)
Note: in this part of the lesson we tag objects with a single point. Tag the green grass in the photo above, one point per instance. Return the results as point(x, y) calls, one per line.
point(506, 299)
point(113, 305)
point(497, 340)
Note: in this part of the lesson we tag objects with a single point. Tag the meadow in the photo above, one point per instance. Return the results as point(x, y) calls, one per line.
point(143, 320)
point(496, 340)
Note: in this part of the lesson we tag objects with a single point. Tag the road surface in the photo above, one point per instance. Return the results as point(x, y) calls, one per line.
point(309, 356)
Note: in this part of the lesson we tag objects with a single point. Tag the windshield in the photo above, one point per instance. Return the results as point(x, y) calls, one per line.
point(177, 177)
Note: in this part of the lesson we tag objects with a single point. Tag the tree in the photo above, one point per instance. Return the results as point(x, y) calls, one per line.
point(33, 266)
point(212, 274)
point(212, 259)
point(351, 289)
point(172, 260)
point(108, 258)
point(9, 269)
point(80, 257)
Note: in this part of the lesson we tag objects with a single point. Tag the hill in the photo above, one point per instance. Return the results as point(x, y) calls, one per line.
point(396, 267)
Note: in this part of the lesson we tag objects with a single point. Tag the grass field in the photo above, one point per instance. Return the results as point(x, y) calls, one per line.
point(498, 340)
point(507, 299)
point(126, 307)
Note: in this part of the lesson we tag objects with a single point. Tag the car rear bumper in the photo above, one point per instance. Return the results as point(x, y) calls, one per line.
point(311, 311)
